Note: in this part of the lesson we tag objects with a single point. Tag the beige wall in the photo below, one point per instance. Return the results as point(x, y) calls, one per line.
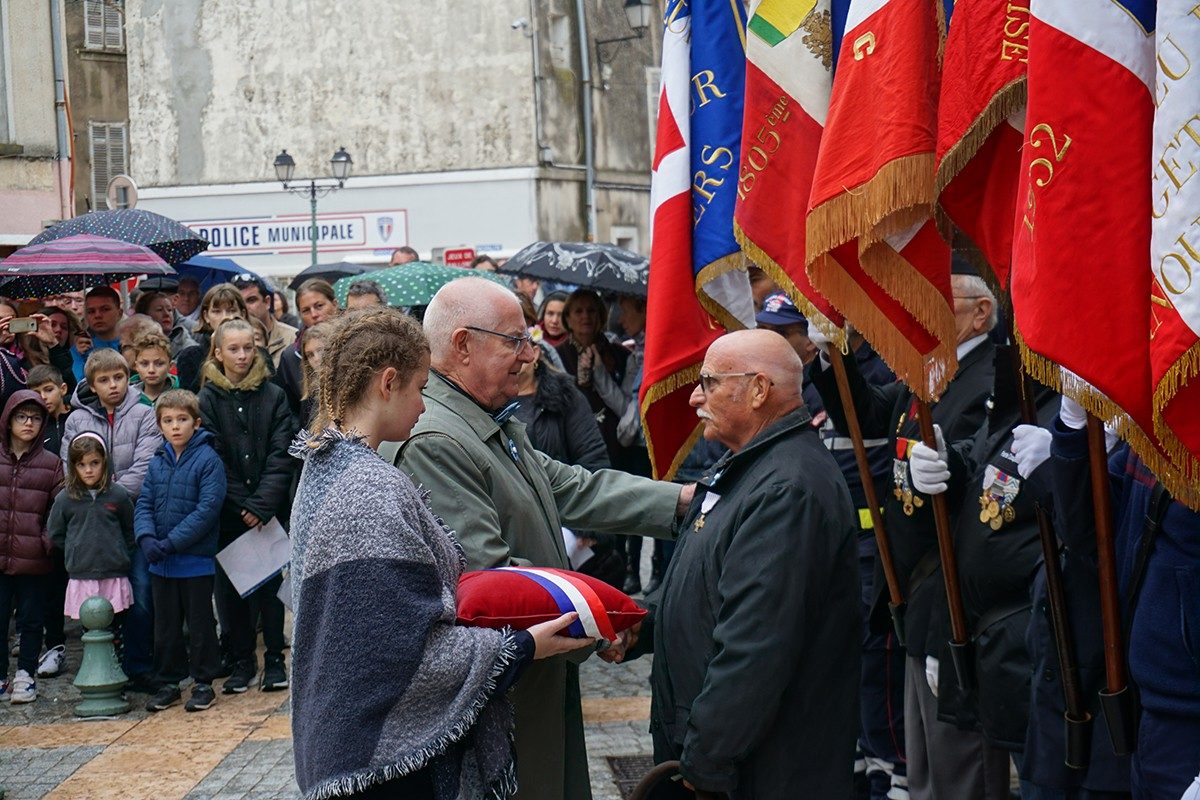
point(218, 87)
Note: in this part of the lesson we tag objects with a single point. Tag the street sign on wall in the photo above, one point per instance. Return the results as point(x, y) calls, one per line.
point(292, 233)
point(458, 256)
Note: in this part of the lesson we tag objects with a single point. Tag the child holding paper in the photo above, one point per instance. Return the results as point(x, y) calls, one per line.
point(177, 521)
point(253, 426)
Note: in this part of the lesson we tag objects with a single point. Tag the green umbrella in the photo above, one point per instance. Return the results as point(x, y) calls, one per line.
point(414, 283)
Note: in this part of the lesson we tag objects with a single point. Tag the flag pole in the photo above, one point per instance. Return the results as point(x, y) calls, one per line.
point(1116, 699)
point(895, 597)
point(1077, 719)
point(960, 645)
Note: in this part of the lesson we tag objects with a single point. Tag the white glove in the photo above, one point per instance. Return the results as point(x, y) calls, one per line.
point(1031, 448)
point(929, 470)
point(931, 674)
point(1193, 791)
point(1072, 414)
point(819, 339)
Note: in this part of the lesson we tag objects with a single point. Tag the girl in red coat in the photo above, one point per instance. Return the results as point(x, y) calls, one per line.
point(30, 477)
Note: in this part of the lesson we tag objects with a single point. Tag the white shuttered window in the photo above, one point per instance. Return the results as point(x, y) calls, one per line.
point(103, 27)
point(110, 154)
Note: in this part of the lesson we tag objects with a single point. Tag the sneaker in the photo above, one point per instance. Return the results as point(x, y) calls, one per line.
point(225, 670)
point(202, 697)
point(240, 680)
point(24, 688)
point(164, 698)
point(274, 677)
point(52, 661)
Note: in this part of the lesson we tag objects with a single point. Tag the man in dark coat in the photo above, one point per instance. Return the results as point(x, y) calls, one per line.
point(941, 759)
point(755, 632)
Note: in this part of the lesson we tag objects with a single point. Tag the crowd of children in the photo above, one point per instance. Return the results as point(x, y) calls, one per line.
point(119, 483)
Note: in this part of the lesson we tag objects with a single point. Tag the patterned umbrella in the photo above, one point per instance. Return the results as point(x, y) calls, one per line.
point(603, 267)
point(414, 283)
point(172, 241)
point(73, 264)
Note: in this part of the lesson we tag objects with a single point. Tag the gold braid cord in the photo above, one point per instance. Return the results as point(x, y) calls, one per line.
point(1184, 370)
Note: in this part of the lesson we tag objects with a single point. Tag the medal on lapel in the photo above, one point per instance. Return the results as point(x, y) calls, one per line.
point(706, 505)
point(996, 503)
point(902, 486)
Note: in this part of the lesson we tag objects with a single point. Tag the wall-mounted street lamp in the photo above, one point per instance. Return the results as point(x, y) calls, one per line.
point(637, 13)
point(339, 167)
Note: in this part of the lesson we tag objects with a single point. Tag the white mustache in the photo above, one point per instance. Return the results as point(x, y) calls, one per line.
point(702, 414)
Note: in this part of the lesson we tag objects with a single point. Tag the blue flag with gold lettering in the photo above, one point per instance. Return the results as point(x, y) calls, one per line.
point(718, 80)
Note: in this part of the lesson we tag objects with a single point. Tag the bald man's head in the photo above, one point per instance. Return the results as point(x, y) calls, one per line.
point(753, 379)
point(478, 339)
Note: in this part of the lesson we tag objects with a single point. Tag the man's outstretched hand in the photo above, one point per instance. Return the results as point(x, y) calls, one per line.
point(626, 639)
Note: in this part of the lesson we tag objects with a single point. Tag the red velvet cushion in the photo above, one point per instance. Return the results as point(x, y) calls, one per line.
point(494, 598)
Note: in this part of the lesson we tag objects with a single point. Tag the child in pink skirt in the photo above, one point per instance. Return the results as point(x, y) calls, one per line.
point(92, 523)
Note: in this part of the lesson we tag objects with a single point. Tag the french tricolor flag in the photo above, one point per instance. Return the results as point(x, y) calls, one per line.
point(1081, 283)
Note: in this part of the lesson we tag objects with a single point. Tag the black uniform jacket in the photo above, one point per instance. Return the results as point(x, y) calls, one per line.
point(756, 628)
point(890, 411)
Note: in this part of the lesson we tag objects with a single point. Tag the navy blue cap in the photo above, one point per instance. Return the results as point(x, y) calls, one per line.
point(778, 309)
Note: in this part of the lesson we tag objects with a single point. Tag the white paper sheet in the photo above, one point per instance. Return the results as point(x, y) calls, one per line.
point(256, 556)
point(577, 551)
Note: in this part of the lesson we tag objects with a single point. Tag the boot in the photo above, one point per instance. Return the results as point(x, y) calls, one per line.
point(657, 568)
point(633, 583)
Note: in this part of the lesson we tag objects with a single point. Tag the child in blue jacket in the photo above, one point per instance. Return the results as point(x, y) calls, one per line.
point(176, 523)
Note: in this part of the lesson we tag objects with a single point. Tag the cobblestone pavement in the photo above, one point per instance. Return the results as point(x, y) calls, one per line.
point(240, 749)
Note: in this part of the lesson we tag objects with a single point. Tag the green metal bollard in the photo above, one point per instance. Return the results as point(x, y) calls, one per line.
point(100, 678)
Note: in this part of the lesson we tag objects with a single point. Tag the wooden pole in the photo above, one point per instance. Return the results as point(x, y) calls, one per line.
point(1117, 700)
point(959, 644)
point(896, 597)
point(1077, 718)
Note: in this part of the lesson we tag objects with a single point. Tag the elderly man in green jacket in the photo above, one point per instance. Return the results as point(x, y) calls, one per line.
point(508, 502)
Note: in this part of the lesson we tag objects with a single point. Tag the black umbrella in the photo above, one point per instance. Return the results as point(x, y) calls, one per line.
point(603, 267)
point(172, 241)
point(331, 272)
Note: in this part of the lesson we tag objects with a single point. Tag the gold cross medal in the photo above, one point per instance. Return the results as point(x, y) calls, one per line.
point(706, 505)
point(1000, 492)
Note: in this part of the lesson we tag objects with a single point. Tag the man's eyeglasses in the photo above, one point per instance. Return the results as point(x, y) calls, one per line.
point(710, 380)
point(517, 341)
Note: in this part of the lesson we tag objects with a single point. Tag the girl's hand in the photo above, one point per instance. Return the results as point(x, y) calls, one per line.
point(548, 642)
point(251, 520)
point(83, 343)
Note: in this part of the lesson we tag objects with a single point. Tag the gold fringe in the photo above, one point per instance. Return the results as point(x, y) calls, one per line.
point(715, 269)
point(1172, 382)
point(1048, 373)
point(921, 373)
point(1003, 104)
point(899, 184)
point(900, 279)
point(656, 392)
point(780, 276)
point(901, 221)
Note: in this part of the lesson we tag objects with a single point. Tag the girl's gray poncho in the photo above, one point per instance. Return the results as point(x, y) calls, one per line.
point(384, 684)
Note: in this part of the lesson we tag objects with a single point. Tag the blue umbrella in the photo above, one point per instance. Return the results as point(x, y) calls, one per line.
point(210, 270)
point(172, 241)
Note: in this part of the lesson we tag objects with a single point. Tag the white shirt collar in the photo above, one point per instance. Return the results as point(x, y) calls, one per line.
point(969, 345)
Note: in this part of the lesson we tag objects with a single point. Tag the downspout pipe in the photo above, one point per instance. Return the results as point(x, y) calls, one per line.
point(589, 145)
point(66, 192)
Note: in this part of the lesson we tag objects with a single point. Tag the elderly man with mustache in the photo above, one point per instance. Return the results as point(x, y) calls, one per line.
point(756, 631)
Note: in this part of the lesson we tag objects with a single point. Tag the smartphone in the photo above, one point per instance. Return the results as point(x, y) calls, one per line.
point(22, 325)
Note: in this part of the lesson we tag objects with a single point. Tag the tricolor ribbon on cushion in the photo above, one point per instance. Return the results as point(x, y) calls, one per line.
point(571, 594)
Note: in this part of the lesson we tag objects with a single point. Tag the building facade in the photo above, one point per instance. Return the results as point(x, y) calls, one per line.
point(466, 123)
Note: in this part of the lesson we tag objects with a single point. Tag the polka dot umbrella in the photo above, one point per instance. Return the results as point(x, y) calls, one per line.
point(414, 283)
point(172, 241)
point(73, 264)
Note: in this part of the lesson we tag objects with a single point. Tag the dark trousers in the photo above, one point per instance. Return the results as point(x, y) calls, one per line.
point(1167, 757)
point(237, 616)
point(138, 630)
point(881, 690)
point(28, 593)
point(179, 602)
point(56, 599)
